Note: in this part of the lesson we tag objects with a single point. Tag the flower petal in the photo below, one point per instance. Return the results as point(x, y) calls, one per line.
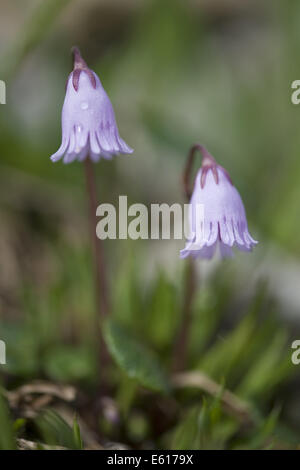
point(70, 157)
point(57, 155)
point(95, 148)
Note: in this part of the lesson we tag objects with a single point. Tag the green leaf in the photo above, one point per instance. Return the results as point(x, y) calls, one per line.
point(225, 353)
point(55, 431)
point(19, 425)
point(134, 358)
point(263, 436)
point(271, 368)
point(77, 434)
point(187, 433)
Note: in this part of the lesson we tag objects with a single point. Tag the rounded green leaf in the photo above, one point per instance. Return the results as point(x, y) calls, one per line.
point(134, 359)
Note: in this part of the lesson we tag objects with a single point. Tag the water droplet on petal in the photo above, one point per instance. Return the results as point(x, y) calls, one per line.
point(84, 105)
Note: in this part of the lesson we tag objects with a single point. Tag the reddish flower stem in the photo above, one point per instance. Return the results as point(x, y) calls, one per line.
point(208, 162)
point(101, 285)
point(79, 66)
point(181, 343)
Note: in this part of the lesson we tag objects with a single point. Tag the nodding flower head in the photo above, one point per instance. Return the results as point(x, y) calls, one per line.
point(222, 220)
point(89, 127)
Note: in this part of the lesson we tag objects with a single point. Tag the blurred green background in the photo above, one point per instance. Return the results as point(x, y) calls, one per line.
point(178, 72)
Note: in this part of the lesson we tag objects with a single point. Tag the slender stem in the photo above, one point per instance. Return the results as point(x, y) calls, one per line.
point(101, 285)
point(78, 61)
point(207, 159)
point(181, 343)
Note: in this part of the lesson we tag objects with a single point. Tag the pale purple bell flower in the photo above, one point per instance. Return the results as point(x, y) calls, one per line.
point(89, 127)
point(223, 220)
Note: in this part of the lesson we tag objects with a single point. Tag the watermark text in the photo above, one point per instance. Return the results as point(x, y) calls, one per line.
point(2, 352)
point(158, 221)
point(2, 92)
